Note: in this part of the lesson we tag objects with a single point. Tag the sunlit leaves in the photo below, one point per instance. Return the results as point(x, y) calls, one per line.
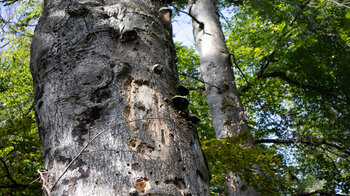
point(20, 148)
point(20, 17)
point(231, 154)
point(259, 166)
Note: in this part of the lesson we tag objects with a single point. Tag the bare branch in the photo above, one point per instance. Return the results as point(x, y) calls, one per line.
point(209, 84)
point(313, 142)
point(19, 105)
point(319, 89)
point(4, 45)
point(8, 2)
point(201, 24)
point(29, 109)
point(8, 175)
point(41, 172)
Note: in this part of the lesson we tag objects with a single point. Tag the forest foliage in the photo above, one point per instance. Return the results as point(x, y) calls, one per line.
point(292, 68)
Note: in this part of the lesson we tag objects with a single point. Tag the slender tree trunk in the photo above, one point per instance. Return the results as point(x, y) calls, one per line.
point(216, 69)
point(104, 78)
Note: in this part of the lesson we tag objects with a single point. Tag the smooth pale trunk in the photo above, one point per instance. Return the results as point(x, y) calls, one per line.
point(107, 67)
point(216, 69)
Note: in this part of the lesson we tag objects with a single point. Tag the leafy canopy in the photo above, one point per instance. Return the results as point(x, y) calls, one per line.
point(20, 148)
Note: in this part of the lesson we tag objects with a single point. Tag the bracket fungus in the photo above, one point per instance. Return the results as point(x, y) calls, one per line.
point(179, 102)
point(194, 119)
point(157, 68)
point(183, 91)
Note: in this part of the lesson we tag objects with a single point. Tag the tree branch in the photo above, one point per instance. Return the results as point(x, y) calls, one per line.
point(8, 175)
point(270, 57)
point(201, 24)
point(19, 105)
point(8, 2)
point(29, 109)
point(239, 69)
point(316, 142)
point(184, 74)
point(319, 89)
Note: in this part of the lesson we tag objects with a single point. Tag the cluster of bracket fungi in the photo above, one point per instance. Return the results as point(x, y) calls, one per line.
point(179, 101)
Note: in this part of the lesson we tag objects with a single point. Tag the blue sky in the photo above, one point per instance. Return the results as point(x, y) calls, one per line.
point(182, 29)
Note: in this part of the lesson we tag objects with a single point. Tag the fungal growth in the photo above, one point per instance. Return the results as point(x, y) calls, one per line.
point(183, 91)
point(158, 69)
point(166, 16)
point(179, 102)
point(194, 119)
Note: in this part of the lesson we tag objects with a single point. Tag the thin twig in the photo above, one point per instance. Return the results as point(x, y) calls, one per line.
point(29, 109)
point(245, 78)
point(254, 93)
point(317, 192)
point(37, 179)
point(19, 106)
point(8, 172)
point(75, 158)
point(89, 131)
point(209, 84)
point(96, 136)
point(201, 24)
point(270, 57)
point(320, 89)
point(316, 143)
point(235, 63)
point(44, 182)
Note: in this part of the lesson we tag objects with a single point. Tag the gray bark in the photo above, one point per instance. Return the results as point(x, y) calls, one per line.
point(104, 77)
point(216, 69)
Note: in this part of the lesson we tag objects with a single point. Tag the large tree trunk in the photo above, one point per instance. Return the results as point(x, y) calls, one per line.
point(104, 78)
point(216, 69)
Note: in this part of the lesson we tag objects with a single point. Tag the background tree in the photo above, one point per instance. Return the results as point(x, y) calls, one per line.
point(220, 87)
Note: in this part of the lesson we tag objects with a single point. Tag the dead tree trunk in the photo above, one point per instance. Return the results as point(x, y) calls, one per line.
point(216, 69)
point(104, 78)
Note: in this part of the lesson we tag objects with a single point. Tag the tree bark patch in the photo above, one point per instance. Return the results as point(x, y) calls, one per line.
point(142, 185)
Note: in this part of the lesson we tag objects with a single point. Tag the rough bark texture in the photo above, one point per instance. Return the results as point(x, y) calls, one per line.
point(99, 67)
point(216, 69)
